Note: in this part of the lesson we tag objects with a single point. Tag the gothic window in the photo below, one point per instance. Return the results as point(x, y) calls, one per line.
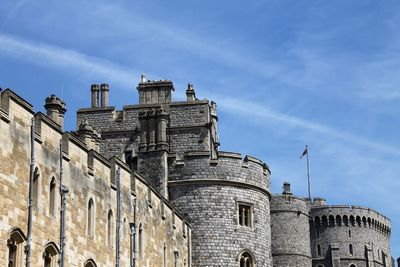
point(52, 197)
point(90, 218)
point(246, 260)
point(319, 251)
point(110, 229)
point(49, 255)
point(245, 215)
point(351, 252)
point(90, 263)
point(15, 248)
point(35, 188)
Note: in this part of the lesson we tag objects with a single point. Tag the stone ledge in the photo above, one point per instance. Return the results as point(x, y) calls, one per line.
point(219, 182)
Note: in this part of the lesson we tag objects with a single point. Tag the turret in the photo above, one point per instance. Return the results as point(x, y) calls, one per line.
point(55, 109)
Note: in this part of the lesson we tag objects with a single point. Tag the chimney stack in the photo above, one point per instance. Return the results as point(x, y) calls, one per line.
point(319, 201)
point(143, 78)
point(190, 94)
point(104, 88)
point(55, 109)
point(95, 95)
point(286, 189)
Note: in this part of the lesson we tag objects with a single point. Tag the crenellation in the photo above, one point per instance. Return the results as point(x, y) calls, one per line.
point(182, 201)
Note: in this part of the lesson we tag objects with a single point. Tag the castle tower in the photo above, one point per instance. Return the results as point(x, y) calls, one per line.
point(346, 235)
point(55, 109)
point(290, 230)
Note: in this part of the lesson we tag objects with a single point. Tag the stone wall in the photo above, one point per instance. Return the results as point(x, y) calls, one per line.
point(88, 175)
point(208, 193)
point(290, 230)
point(335, 228)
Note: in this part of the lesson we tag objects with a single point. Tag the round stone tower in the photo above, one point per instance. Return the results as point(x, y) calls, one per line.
point(349, 236)
point(290, 229)
point(226, 200)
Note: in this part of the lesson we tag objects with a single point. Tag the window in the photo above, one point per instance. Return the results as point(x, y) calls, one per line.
point(90, 263)
point(124, 229)
point(246, 260)
point(351, 252)
point(353, 265)
point(35, 188)
point(49, 255)
point(176, 258)
point(52, 197)
point(110, 229)
point(317, 233)
point(165, 255)
point(245, 215)
point(349, 233)
point(319, 251)
point(90, 218)
point(140, 240)
point(15, 248)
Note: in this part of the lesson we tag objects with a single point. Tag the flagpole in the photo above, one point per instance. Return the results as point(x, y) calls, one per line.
point(308, 174)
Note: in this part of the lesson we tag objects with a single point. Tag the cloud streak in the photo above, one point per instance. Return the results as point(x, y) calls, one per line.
point(50, 56)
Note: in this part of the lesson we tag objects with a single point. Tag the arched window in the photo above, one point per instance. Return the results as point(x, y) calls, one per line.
point(358, 219)
point(140, 240)
point(352, 220)
point(35, 187)
point(345, 220)
point(331, 221)
point(351, 252)
point(246, 260)
point(353, 265)
point(15, 248)
point(317, 222)
point(324, 221)
point(319, 251)
point(52, 197)
point(50, 255)
point(90, 218)
point(90, 263)
point(338, 220)
point(110, 229)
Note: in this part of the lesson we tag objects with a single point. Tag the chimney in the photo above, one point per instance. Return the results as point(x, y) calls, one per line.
point(190, 94)
point(95, 95)
point(286, 189)
point(398, 262)
point(319, 201)
point(143, 78)
point(55, 109)
point(104, 95)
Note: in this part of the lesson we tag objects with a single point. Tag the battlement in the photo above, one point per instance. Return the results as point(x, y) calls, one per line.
point(82, 163)
point(345, 215)
point(199, 167)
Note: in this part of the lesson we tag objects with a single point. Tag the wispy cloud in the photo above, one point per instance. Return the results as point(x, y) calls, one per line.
point(12, 12)
point(250, 108)
point(66, 60)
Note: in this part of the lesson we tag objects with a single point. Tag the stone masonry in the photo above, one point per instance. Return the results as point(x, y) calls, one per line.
point(182, 201)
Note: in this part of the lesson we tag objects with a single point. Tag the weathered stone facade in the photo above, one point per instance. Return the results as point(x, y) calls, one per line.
point(182, 202)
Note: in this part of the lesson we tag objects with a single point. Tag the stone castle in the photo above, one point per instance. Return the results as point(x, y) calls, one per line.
point(148, 186)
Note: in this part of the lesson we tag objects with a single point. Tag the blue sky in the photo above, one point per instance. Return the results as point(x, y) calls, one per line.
point(284, 74)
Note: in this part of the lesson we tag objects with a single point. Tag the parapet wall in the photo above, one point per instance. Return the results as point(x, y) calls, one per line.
point(228, 167)
point(358, 235)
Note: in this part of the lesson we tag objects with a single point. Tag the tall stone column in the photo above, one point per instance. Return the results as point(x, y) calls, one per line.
point(162, 118)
